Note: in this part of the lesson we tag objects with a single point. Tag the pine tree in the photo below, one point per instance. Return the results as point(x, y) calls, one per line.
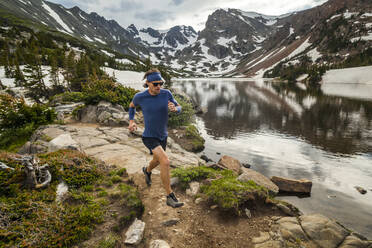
point(57, 87)
point(35, 81)
point(69, 66)
point(6, 60)
point(81, 74)
point(18, 74)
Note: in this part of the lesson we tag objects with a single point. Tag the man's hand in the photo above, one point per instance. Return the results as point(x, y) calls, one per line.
point(172, 107)
point(132, 126)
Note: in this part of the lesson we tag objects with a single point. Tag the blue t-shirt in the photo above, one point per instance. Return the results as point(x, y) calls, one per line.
point(155, 112)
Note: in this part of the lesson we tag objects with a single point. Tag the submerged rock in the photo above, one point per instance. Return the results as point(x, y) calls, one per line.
point(360, 190)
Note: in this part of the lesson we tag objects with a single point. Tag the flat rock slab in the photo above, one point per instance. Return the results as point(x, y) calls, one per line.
point(61, 142)
point(259, 179)
point(123, 156)
point(90, 141)
point(53, 132)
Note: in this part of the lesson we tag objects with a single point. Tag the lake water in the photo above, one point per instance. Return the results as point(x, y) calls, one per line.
point(290, 132)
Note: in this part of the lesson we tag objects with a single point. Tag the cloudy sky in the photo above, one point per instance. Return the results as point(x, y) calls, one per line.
point(163, 14)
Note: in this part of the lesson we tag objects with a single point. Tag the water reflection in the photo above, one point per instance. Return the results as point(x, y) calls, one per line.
point(289, 132)
point(336, 124)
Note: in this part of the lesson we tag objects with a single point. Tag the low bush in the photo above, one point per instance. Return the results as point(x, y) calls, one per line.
point(96, 90)
point(193, 174)
point(33, 218)
point(18, 121)
point(223, 189)
point(68, 97)
point(230, 194)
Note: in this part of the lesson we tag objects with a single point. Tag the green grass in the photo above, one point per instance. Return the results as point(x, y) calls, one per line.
point(33, 217)
point(110, 241)
point(230, 194)
point(223, 189)
point(193, 174)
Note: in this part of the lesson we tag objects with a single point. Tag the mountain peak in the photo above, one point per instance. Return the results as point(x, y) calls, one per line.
point(75, 9)
point(132, 29)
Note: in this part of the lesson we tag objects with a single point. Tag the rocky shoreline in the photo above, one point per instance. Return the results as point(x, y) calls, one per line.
point(117, 146)
point(100, 133)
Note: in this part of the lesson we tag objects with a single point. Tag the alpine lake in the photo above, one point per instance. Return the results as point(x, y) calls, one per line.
point(324, 135)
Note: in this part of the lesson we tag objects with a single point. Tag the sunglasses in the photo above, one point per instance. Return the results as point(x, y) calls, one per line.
point(156, 84)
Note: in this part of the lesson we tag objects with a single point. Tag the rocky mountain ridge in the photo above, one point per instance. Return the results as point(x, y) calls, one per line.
point(233, 42)
point(324, 35)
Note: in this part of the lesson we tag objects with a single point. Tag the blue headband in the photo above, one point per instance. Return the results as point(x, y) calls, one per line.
point(154, 76)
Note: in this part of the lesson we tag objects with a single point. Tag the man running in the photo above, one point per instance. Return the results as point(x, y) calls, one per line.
point(155, 103)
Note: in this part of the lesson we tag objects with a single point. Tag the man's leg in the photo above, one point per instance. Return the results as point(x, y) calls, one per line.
point(153, 163)
point(147, 170)
point(162, 158)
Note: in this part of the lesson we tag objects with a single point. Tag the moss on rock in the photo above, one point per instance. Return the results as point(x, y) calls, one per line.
point(222, 187)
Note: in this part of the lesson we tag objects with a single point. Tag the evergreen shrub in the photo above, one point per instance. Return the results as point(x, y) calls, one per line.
point(183, 118)
point(97, 90)
point(18, 121)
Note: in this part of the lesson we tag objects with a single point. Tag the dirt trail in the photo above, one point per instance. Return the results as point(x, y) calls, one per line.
point(198, 225)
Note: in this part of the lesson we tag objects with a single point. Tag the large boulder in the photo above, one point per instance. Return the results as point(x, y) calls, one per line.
point(230, 163)
point(323, 231)
point(292, 185)
point(104, 113)
point(353, 241)
point(259, 179)
point(87, 114)
point(33, 148)
point(291, 229)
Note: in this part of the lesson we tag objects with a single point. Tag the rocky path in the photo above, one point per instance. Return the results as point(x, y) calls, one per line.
point(113, 145)
point(197, 224)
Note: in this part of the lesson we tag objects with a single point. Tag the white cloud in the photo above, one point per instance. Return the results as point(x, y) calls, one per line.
point(163, 14)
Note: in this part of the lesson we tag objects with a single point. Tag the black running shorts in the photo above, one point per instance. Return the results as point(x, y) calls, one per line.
point(151, 143)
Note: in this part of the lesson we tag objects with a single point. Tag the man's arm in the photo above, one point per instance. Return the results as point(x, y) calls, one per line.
point(173, 104)
point(132, 111)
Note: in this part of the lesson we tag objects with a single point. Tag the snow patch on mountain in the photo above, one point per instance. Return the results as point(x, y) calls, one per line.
point(226, 41)
point(301, 48)
point(150, 40)
point(356, 75)
point(99, 40)
point(132, 79)
point(314, 54)
point(348, 15)
point(87, 38)
point(56, 17)
point(364, 37)
point(26, 2)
